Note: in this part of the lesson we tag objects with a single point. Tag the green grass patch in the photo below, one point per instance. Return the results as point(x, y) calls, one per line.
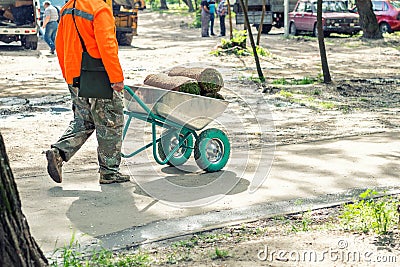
point(303, 81)
point(220, 254)
point(285, 94)
point(261, 52)
point(71, 256)
point(303, 224)
point(176, 257)
point(189, 243)
point(281, 81)
point(237, 46)
point(316, 92)
point(327, 105)
point(370, 213)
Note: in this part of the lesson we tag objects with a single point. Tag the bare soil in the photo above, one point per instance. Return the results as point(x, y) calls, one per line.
point(363, 98)
point(314, 238)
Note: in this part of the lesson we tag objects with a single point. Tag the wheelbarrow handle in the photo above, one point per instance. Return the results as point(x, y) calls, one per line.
point(139, 101)
point(129, 90)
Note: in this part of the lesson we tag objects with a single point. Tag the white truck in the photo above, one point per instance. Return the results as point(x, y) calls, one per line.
point(274, 13)
point(19, 22)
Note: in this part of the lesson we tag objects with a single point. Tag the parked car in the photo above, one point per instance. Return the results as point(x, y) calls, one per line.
point(336, 18)
point(387, 14)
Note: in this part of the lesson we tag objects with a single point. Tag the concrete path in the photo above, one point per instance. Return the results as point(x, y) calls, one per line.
point(157, 194)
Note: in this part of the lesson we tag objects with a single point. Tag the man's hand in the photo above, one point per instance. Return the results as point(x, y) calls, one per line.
point(117, 86)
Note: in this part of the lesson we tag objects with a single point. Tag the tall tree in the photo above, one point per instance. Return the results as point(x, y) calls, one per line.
point(164, 5)
point(321, 44)
point(230, 20)
point(17, 246)
point(190, 5)
point(260, 27)
point(368, 21)
point(253, 45)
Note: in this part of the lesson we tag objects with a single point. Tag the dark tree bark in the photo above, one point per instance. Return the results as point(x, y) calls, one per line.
point(260, 27)
point(368, 21)
point(190, 5)
point(163, 4)
point(230, 20)
point(17, 246)
point(321, 44)
point(253, 45)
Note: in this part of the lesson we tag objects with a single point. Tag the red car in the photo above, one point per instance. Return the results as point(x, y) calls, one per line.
point(388, 15)
point(336, 18)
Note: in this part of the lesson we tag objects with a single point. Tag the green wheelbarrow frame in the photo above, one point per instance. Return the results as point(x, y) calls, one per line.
point(210, 137)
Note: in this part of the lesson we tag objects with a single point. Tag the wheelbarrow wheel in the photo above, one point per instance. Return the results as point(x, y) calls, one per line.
point(212, 150)
point(169, 142)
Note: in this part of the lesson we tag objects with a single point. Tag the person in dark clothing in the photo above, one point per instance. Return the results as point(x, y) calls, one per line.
point(221, 12)
point(205, 18)
point(211, 5)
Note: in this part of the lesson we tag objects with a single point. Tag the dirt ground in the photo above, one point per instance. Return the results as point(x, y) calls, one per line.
point(314, 238)
point(363, 98)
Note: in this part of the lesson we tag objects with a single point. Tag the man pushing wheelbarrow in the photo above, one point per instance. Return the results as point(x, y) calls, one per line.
point(86, 38)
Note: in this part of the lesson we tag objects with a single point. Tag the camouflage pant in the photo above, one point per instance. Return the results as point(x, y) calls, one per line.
point(103, 115)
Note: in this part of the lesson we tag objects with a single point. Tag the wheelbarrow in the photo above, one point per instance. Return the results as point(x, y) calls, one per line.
point(181, 115)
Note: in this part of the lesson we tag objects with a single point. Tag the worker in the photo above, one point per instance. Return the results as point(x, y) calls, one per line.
point(95, 23)
point(205, 17)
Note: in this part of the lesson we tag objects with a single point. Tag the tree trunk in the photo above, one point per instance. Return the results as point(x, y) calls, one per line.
point(163, 4)
point(368, 21)
point(230, 20)
point(253, 45)
point(17, 246)
point(321, 44)
point(260, 27)
point(245, 6)
point(189, 4)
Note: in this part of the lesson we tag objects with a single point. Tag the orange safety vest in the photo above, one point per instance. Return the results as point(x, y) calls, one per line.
point(96, 25)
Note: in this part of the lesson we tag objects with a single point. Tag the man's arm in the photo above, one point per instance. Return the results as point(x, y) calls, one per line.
point(104, 31)
point(46, 20)
point(205, 7)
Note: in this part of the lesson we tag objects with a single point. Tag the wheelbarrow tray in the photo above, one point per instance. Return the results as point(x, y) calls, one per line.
point(192, 111)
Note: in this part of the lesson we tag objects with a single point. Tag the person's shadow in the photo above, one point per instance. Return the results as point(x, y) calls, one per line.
point(113, 218)
point(101, 212)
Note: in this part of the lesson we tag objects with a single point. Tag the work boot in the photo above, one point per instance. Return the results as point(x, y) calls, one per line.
point(110, 178)
point(54, 164)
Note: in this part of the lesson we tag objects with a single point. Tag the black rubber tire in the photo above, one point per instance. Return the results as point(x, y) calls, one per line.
point(23, 42)
point(265, 28)
point(180, 157)
point(315, 30)
point(124, 39)
point(384, 27)
point(219, 142)
point(33, 45)
point(292, 29)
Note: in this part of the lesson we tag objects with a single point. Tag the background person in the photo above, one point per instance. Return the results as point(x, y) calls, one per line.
point(50, 25)
point(212, 15)
point(205, 18)
point(96, 25)
point(221, 12)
